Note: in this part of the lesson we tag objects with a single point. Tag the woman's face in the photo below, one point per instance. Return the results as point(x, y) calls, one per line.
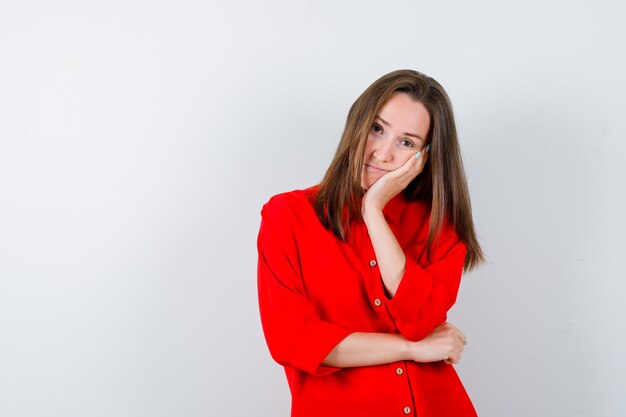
point(397, 134)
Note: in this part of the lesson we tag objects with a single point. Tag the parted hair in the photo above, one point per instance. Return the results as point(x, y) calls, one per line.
point(442, 183)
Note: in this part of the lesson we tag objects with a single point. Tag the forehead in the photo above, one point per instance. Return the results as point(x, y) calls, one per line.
point(403, 112)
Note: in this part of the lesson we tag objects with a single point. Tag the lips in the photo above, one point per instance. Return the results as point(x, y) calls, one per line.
point(375, 169)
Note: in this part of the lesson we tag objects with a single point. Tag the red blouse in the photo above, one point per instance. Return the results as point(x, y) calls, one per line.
point(314, 290)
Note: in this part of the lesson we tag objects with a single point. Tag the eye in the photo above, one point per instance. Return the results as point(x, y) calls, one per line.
point(407, 143)
point(377, 128)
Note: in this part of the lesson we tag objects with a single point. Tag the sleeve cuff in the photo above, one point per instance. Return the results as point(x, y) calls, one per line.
point(415, 283)
point(317, 340)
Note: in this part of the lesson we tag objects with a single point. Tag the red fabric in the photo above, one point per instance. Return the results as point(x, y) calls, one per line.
point(314, 290)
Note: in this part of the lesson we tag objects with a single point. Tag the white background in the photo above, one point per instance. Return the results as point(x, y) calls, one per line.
point(139, 140)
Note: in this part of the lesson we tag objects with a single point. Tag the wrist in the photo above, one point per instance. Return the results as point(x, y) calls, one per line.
point(371, 212)
point(415, 348)
point(409, 349)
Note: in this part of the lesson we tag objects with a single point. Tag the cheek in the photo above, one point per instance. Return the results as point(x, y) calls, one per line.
point(368, 146)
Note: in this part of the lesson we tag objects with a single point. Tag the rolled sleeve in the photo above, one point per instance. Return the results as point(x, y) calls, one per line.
point(294, 333)
point(427, 292)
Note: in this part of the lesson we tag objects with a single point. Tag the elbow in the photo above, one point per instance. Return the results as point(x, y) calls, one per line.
point(280, 352)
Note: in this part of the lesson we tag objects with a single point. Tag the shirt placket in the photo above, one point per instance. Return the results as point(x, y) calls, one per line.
point(375, 288)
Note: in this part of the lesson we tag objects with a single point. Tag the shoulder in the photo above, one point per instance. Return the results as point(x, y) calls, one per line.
point(289, 202)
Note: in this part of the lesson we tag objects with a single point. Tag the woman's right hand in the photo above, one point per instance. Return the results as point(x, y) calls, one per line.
point(445, 342)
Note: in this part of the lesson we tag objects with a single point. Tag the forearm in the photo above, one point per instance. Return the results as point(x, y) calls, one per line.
point(445, 342)
point(366, 349)
point(390, 256)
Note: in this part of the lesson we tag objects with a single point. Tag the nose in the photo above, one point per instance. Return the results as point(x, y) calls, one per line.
point(382, 151)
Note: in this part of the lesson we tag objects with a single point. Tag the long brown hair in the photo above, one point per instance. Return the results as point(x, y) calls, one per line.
point(442, 182)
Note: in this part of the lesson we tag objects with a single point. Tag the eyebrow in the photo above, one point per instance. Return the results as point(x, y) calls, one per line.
point(405, 133)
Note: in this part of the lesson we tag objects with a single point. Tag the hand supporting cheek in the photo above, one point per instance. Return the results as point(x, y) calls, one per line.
point(393, 182)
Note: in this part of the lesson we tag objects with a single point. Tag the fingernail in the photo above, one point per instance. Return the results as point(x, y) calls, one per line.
point(427, 147)
point(417, 155)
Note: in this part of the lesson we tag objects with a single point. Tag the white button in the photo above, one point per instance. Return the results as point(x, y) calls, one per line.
point(399, 371)
point(407, 410)
point(377, 302)
point(372, 263)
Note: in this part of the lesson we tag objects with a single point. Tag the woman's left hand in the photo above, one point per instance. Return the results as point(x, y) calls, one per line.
point(393, 182)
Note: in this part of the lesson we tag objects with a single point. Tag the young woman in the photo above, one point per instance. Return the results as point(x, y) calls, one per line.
point(356, 274)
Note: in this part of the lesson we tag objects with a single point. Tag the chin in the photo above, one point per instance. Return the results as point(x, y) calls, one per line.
point(368, 184)
point(367, 179)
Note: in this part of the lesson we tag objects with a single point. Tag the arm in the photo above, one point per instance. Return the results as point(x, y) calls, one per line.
point(297, 337)
point(446, 343)
point(427, 292)
point(419, 296)
point(362, 349)
point(390, 256)
point(294, 333)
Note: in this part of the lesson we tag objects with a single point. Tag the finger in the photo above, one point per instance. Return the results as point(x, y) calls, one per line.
point(452, 359)
point(405, 170)
point(458, 332)
point(420, 158)
point(426, 156)
point(459, 345)
point(411, 169)
point(423, 153)
point(463, 337)
point(460, 337)
point(412, 162)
